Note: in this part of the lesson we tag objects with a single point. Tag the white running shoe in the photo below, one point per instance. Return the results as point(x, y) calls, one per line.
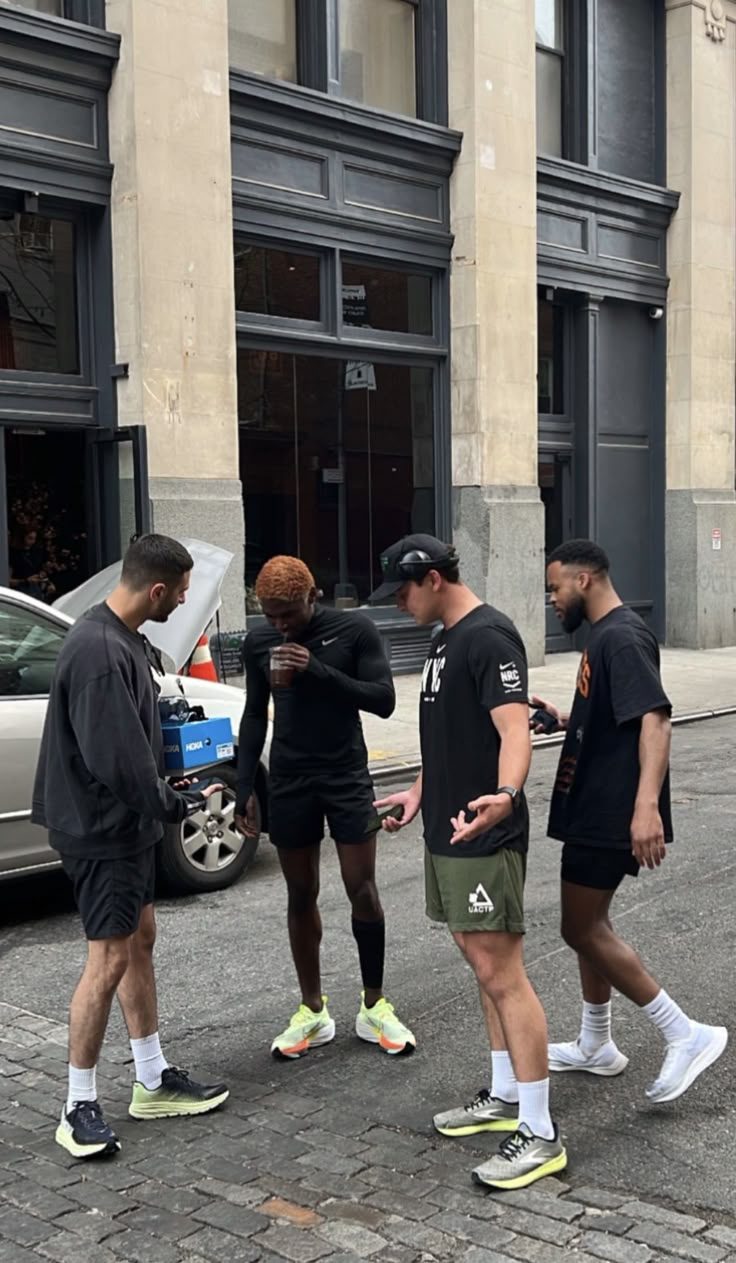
point(606, 1060)
point(685, 1060)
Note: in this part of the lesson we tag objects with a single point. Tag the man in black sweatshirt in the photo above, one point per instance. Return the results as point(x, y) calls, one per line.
point(322, 668)
point(101, 794)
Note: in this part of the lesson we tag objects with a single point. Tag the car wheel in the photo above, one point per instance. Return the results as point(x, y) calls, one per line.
point(206, 851)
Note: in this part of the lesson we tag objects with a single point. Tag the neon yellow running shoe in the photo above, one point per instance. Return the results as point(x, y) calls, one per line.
point(306, 1030)
point(178, 1096)
point(380, 1025)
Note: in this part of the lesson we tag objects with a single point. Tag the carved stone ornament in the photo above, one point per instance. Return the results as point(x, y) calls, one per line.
point(715, 20)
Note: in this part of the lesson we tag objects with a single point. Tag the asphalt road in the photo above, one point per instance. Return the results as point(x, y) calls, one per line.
point(226, 986)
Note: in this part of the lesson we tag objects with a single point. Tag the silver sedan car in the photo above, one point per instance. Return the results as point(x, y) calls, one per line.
point(204, 852)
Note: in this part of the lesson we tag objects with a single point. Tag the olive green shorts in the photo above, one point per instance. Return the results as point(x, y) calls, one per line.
point(484, 892)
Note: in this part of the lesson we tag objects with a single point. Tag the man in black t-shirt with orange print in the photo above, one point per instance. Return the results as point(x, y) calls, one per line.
point(611, 810)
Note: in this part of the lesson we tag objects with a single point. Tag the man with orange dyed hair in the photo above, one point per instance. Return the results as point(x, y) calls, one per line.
point(322, 667)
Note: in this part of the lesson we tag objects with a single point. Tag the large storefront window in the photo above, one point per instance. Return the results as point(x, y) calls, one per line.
point(262, 37)
point(337, 460)
point(38, 301)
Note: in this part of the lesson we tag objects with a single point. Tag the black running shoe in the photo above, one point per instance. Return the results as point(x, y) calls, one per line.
point(84, 1133)
point(178, 1095)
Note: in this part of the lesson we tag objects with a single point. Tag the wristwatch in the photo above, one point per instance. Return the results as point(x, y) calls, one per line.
point(512, 793)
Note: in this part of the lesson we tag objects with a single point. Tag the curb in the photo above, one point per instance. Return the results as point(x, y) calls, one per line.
point(406, 767)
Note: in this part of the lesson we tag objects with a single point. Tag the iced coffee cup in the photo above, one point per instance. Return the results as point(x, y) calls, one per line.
point(281, 674)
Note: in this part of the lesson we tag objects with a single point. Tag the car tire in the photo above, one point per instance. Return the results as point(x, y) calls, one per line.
point(206, 851)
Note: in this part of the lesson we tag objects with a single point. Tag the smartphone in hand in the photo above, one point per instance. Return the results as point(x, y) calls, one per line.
point(377, 820)
point(196, 788)
point(542, 719)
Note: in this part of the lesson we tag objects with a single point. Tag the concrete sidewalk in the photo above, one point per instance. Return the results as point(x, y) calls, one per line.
point(697, 681)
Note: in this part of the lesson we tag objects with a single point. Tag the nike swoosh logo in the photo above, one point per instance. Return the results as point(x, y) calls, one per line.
point(330, 642)
point(506, 666)
point(440, 649)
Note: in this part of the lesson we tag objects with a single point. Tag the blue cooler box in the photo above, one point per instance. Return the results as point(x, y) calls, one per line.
point(205, 741)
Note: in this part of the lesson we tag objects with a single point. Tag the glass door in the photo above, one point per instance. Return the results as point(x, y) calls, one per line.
point(555, 488)
point(118, 471)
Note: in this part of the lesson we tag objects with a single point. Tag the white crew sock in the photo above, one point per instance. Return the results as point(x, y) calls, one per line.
point(595, 1030)
point(503, 1080)
point(668, 1017)
point(82, 1086)
point(534, 1108)
point(150, 1062)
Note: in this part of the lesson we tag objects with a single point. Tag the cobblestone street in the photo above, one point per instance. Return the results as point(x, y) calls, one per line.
point(277, 1175)
point(333, 1156)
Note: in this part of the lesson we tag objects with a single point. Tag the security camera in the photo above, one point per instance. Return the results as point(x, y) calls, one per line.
point(656, 313)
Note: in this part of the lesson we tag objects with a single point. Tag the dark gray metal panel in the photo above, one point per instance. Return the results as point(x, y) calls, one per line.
point(626, 80)
point(90, 46)
point(326, 169)
point(39, 404)
point(627, 245)
point(601, 232)
point(371, 189)
point(312, 223)
point(629, 523)
point(278, 171)
point(564, 230)
point(54, 77)
point(33, 112)
point(625, 374)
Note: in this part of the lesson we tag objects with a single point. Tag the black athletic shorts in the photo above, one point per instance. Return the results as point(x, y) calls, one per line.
point(298, 806)
point(111, 894)
point(599, 867)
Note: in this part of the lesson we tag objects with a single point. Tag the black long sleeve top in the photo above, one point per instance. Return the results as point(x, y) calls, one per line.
point(316, 722)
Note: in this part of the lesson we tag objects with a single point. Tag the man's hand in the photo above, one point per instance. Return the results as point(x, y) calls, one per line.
point(293, 655)
point(539, 704)
point(491, 809)
point(248, 824)
point(647, 835)
point(409, 800)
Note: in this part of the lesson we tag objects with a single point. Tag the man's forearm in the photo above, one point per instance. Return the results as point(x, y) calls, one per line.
point(514, 759)
point(654, 756)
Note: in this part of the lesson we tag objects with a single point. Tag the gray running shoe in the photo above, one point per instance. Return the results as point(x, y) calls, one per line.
point(522, 1159)
point(484, 1113)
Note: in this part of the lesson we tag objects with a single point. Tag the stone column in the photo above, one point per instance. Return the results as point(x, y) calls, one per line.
point(701, 565)
point(498, 514)
point(173, 266)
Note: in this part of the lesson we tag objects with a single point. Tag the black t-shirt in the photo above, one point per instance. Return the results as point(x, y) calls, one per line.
point(473, 667)
point(598, 776)
point(316, 720)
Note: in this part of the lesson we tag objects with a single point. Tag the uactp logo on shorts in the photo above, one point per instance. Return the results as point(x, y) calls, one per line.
point(479, 900)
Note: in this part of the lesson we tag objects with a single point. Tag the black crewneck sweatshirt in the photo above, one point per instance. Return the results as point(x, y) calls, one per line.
point(99, 786)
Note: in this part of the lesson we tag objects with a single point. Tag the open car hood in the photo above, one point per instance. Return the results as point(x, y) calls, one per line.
point(177, 638)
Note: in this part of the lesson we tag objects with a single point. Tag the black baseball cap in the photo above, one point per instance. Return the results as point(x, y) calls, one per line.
point(433, 549)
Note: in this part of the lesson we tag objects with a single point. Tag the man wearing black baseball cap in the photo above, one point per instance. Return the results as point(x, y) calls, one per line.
point(476, 751)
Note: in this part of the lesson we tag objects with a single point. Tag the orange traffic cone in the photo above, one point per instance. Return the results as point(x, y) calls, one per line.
point(201, 666)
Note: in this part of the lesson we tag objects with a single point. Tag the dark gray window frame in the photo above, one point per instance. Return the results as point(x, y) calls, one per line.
point(318, 52)
point(326, 267)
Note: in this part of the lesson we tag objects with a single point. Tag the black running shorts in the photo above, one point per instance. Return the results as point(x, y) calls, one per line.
point(598, 867)
point(298, 806)
point(111, 894)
